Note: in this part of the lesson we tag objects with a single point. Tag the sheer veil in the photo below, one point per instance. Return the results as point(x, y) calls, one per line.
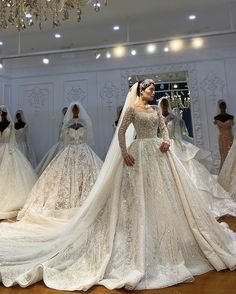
point(84, 118)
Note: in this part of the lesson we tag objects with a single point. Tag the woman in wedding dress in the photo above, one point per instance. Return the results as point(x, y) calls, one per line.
point(224, 122)
point(22, 138)
point(143, 226)
point(54, 150)
point(227, 176)
point(219, 201)
point(68, 179)
point(17, 177)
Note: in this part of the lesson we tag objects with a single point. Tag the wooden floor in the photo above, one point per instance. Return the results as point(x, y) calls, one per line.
point(211, 283)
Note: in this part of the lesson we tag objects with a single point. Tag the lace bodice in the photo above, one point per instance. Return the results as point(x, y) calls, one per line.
point(145, 124)
point(5, 135)
point(72, 136)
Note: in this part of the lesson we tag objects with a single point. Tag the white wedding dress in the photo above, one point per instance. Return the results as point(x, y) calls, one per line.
point(17, 176)
point(227, 176)
point(24, 144)
point(67, 180)
point(141, 227)
point(219, 201)
point(52, 152)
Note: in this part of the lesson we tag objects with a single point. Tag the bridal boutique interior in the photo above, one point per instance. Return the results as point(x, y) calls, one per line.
point(53, 53)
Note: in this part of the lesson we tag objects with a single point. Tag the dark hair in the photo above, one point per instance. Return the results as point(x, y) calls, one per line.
point(222, 104)
point(75, 106)
point(165, 100)
point(143, 85)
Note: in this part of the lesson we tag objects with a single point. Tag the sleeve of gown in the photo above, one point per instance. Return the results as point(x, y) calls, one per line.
point(126, 121)
point(163, 129)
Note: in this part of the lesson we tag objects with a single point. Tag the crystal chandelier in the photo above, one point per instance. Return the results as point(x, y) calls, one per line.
point(25, 13)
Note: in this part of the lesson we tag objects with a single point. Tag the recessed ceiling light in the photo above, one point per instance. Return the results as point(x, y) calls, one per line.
point(57, 36)
point(116, 28)
point(1, 43)
point(151, 48)
point(1, 65)
point(108, 55)
point(192, 17)
point(166, 49)
point(46, 60)
point(133, 52)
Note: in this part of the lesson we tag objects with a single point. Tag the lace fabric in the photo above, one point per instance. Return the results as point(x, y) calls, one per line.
point(67, 181)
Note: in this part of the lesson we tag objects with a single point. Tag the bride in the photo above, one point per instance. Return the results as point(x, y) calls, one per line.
point(143, 226)
point(68, 179)
point(17, 177)
point(191, 157)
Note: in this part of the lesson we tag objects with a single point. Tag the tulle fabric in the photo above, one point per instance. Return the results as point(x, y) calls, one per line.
point(227, 176)
point(17, 178)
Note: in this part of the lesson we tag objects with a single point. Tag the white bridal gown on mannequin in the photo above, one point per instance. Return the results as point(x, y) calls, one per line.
point(23, 141)
point(17, 176)
point(53, 151)
point(218, 200)
point(68, 179)
point(142, 227)
point(227, 176)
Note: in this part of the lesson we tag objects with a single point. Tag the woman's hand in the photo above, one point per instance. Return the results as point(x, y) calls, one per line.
point(164, 147)
point(128, 159)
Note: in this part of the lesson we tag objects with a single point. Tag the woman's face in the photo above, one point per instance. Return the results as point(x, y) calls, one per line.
point(75, 111)
point(149, 93)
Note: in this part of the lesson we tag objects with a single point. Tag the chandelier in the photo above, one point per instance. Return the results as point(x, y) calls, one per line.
point(25, 13)
point(178, 101)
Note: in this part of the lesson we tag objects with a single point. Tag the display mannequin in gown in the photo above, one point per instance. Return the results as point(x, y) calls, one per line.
point(17, 176)
point(227, 176)
point(219, 201)
point(224, 122)
point(68, 179)
point(22, 137)
point(144, 224)
point(54, 150)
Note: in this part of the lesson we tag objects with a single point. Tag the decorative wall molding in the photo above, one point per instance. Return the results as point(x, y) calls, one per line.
point(76, 91)
point(109, 94)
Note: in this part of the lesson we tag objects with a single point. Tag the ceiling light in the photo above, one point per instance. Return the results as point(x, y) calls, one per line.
point(1, 65)
point(108, 55)
point(175, 86)
point(197, 42)
point(151, 48)
point(46, 60)
point(116, 28)
point(57, 36)
point(97, 55)
point(133, 52)
point(192, 17)
point(1, 43)
point(119, 51)
point(176, 45)
point(166, 49)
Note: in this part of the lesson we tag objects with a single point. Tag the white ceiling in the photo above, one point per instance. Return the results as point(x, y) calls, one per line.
point(147, 20)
